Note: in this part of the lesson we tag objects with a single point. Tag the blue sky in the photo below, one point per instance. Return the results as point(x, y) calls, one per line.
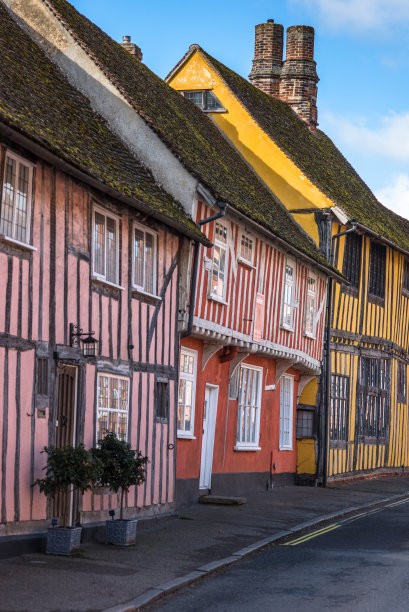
point(362, 54)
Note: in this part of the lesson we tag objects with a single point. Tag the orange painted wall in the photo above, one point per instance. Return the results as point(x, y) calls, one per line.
point(225, 458)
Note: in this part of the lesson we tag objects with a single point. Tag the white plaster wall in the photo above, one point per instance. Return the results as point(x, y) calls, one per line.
point(84, 74)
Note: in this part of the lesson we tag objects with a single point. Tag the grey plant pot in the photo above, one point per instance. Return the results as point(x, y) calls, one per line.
point(121, 533)
point(63, 540)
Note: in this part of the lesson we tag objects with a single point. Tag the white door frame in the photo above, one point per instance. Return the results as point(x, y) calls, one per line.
point(209, 427)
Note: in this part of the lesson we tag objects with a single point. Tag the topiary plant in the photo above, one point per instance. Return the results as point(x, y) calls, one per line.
point(68, 468)
point(122, 466)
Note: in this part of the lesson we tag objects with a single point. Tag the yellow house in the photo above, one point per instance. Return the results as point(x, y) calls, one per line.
point(354, 419)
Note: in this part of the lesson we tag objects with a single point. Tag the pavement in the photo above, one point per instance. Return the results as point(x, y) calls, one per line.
point(178, 550)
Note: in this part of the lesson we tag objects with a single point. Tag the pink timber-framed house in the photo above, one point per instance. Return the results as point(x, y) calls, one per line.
point(90, 241)
point(236, 327)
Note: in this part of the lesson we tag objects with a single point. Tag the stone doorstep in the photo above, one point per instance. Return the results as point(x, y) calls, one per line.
point(222, 500)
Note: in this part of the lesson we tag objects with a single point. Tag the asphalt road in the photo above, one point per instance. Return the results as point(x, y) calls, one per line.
point(357, 564)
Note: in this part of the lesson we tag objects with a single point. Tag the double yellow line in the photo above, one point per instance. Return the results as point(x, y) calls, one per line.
point(310, 536)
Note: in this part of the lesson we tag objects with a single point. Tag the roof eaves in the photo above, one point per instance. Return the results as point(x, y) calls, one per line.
point(29, 143)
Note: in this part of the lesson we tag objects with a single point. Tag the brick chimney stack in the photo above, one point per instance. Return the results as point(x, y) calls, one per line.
point(298, 83)
point(131, 47)
point(268, 57)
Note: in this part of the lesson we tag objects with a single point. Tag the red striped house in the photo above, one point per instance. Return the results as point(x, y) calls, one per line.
point(254, 342)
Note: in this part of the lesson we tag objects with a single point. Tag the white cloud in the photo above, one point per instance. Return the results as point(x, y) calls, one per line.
point(396, 195)
point(389, 139)
point(359, 14)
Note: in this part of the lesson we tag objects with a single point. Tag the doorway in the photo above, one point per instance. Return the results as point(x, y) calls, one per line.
point(209, 426)
point(66, 505)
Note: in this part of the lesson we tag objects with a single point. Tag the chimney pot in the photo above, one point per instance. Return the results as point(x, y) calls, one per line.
point(131, 47)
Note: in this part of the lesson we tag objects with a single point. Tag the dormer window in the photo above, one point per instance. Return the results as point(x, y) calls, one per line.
point(205, 99)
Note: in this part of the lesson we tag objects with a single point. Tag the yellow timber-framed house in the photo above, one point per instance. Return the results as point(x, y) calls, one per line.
point(353, 420)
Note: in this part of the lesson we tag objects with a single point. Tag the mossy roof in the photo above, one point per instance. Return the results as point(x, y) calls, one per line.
point(39, 102)
point(315, 155)
point(187, 131)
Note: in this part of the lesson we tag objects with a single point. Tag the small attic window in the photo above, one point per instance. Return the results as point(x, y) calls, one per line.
point(205, 99)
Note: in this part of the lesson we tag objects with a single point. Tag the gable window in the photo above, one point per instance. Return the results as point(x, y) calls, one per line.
point(377, 265)
point(246, 249)
point(112, 406)
point(144, 260)
point(105, 246)
point(218, 277)
point(205, 99)
point(401, 382)
point(310, 307)
point(187, 391)
point(16, 199)
point(287, 315)
point(249, 406)
point(338, 426)
point(405, 278)
point(373, 398)
point(286, 412)
point(351, 268)
point(162, 399)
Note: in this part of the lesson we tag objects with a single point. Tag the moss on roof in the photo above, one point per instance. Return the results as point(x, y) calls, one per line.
point(37, 100)
point(190, 134)
point(315, 155)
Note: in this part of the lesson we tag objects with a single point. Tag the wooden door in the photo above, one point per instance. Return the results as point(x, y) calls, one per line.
point(65, 435)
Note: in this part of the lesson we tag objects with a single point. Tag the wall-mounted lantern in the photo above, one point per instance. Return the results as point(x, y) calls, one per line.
point(89, 344)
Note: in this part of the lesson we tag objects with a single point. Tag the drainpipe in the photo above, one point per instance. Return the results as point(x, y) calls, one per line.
point(193, 286)
point(328, 353)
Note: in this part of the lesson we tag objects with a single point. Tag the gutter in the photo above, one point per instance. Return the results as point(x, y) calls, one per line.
point(193, 286)
point(43, 153)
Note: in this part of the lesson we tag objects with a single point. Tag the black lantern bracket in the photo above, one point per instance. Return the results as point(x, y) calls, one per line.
point(78, 336)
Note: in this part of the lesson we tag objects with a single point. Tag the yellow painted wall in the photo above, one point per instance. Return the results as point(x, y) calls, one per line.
point(280, 174)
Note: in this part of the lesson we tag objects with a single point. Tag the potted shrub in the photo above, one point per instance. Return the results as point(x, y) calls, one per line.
point(68, 469)
point(122, 468)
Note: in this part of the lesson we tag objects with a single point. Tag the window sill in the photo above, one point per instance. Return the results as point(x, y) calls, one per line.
point(185, 436)
point(103, 281)
point(246, 447)
point(308, 335)
point(287, 327)
point(144, 295)
point(14, 242)
point(216, 298)
point(375, 299)
point(348, 289)
point(245, 262)
point(405, 292)
point(285, 448)
point(214, 110)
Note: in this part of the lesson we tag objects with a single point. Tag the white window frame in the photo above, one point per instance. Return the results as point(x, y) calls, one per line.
point(256, 393)
point(309, 294)
point(109, 409)
point(294, 303)
point(189, 433)
point(283, 444)
point(241, 258)
point(107, 215)
point(219, 244)
point(154, 234)
point(20, 161)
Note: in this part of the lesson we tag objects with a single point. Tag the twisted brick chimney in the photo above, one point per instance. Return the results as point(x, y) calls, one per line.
point(293, 81)
point(131, 47)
